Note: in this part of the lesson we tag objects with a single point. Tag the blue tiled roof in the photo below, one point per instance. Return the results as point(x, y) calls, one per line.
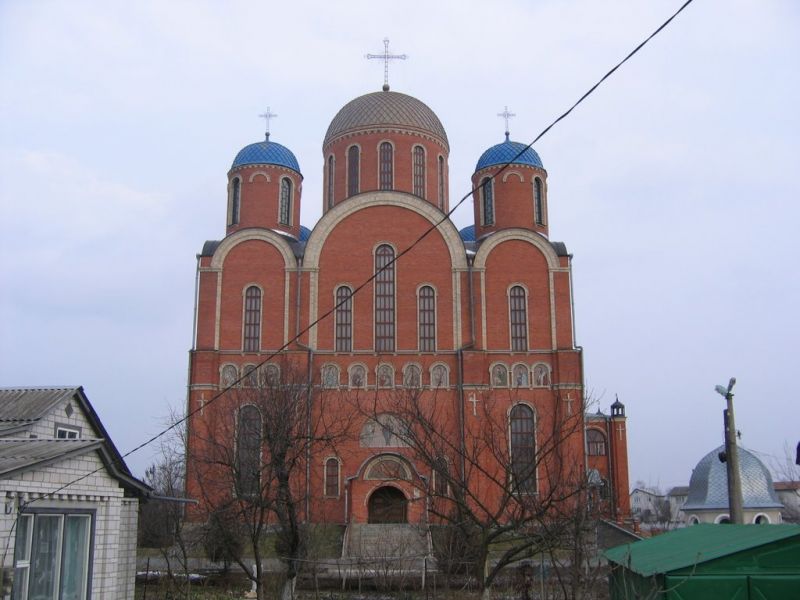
point(468, 233)
point(304, 233)
point(266, 153)
point(505, 152)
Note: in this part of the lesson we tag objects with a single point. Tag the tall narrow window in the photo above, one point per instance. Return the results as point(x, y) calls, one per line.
point(386, 166)
point(419, 171)
point(596, 442)
point(487, 191)
point(519, 318)
point(538, 201)
point(331, 477)
point(353, 158)
point(248, 451)
point(384, 299)
point(330, 182)
point(440, 475)
point(427, 319)
point(252, 319)
point(285, 207)
point(236, 192)
point(441, 182)
point(344, 319)
point(523, 448)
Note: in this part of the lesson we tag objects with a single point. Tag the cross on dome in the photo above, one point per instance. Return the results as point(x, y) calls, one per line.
point(506, 115)
point(267, 116)
point(386, 57)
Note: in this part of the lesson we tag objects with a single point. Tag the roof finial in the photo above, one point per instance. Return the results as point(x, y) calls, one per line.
point(506, 115)
point(386, 57)
point(267, 116)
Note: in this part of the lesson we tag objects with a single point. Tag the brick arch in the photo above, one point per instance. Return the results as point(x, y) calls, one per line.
point(535, 239)
point(245, 235)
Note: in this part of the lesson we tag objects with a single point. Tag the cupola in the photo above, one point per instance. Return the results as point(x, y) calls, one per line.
point(264, 188)
point(509, 196)
point(385, 141)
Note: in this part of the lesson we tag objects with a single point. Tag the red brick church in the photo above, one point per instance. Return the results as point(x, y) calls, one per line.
point(472, 327)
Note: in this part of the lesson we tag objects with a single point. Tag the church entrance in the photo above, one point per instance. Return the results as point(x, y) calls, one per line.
point(387, 505)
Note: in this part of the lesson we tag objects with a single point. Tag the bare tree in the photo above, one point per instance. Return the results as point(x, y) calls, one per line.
point(249, 457)
point(499, 489)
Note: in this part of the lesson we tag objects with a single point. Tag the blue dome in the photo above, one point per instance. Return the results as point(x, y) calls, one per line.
point(505, 152)
point(304, 233)
point(468, 233)
point(266, 153)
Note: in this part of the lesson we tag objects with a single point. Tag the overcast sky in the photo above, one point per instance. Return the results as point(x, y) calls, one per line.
point(674, 185)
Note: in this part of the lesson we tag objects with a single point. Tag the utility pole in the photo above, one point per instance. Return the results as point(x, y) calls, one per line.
point(732, 456)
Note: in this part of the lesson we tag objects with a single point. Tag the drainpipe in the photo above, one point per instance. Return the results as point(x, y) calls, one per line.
point(460, 372)
point(309, 379)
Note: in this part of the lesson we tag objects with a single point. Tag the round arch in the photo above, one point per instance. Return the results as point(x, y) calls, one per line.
point(535, 239)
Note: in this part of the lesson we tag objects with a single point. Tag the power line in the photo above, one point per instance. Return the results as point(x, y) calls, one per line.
point(389, 264)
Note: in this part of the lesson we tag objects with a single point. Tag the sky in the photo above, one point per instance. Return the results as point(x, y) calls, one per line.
point(674, 185)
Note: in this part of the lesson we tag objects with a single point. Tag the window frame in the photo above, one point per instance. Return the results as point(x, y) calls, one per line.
point(251, 319)
point(286, 195)
point(326, 475)
point(385, 300)
point(530, 485)
point(440, 182)
point(426, 319)
point(418, 171)
point(236, 200)
point(258, 448)
point(518, 327)
point(343, 319)
point(487, 202)
point(596, 447)
point(67, 429)
point(353, 170)
point(329, 188)
point(385, 165)
point(538, 201)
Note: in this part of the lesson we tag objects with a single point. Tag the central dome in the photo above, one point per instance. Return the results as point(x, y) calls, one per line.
point(385, 109)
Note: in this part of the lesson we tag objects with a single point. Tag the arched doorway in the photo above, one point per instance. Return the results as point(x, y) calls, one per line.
point(387, 504)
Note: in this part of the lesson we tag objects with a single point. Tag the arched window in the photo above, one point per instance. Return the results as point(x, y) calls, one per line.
point(384, 299)
point(332, 477)
point(523, 449)
point(344, 319)
point(439, 376)
point(441, 182)
point(229, 374)
point(520, 376)
point(249, 376)
point(440, 476)
point(538, 201)
point(248, 452)
point(386, 166)
point(252, 319)
point(236, 192)
point(519, 318)
point(427, 319)
point(385, 376)
point(353, 158)
point(419, 171)
point(541, 375)
point(330, 182)
point(412, 377)
point(358, 376)
point(272, 375)
point(285, 206)
point(499, 376)
point(487, 192)
point(330, 376)
point(595, 442)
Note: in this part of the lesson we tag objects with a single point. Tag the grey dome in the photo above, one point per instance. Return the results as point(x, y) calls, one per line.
point(385, 109)
point(708, 487)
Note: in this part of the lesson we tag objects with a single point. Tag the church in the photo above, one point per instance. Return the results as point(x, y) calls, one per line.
point(434, 356)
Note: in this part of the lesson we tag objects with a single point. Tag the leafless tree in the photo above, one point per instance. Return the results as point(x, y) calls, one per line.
point(498, 493)
point(250, 455)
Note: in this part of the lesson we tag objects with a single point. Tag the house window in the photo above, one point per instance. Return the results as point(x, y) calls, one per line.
point(353, 157)
point(384, 299)
point(65, 432)
point(252, 319)
point(519, 318)
point(248, 452)
point(285, 205)
point(332, 477)
point(51, 556)
point(427, 319)
point(344, 319)
point(595, 442)
point(538, 201)
point(523, 449)
point(330, 182)
point(386, 167)
point(487, 191)
point(236, 200)
point(441, 182)
point(419, 171)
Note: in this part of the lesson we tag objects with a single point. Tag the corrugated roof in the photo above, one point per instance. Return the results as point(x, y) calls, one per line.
point(695, 545)
point(26, 405)
point(22, 454)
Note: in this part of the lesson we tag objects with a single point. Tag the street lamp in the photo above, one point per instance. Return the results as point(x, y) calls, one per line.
point(732, 455)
